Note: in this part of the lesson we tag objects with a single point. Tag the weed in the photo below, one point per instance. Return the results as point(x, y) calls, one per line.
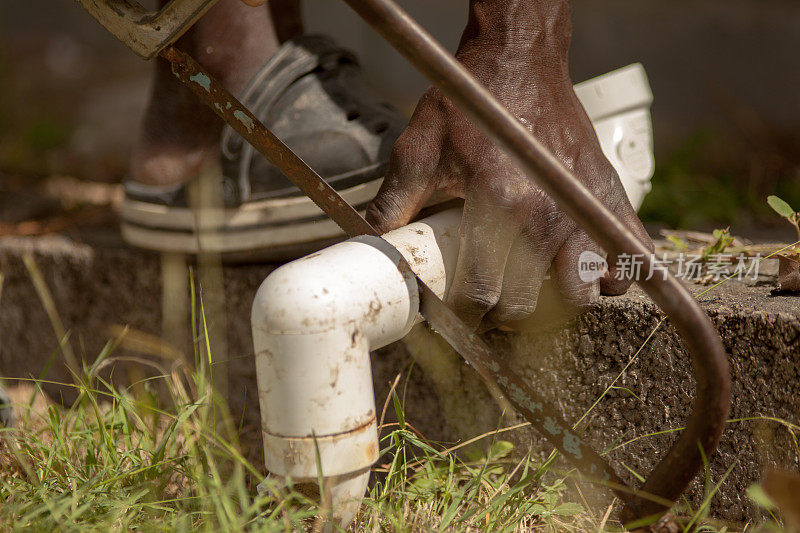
point(786, 211)
point(722, 240)
point(424, 487)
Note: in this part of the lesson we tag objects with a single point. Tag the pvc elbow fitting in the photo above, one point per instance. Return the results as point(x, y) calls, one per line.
point(315, 320)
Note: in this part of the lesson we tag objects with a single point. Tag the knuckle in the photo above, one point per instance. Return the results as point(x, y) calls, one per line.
point(582, 296)
point(402, 146)
point(498, 193)
point(478, 296)
point(435, 101)
point(375, 210)
point(548, 229)
point(402, 151)
point(411, 157)
point(503, 191)
point(506, 312)
point(383, 209)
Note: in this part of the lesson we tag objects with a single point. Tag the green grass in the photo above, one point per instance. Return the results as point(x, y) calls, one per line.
point(163, 454)
point(423, 486)
point(113, 461)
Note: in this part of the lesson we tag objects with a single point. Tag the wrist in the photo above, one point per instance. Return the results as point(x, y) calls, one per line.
point(532, 31)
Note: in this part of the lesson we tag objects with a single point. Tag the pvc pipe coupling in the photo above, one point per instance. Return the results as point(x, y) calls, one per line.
point(618, 104)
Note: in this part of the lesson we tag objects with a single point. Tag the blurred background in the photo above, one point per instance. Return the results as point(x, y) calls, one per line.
point(725, 74)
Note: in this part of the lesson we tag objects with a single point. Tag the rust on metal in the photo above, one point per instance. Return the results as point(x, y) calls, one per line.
point(712, 400)
point(246, 124)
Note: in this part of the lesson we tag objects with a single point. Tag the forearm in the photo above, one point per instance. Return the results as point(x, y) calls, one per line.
point(519, 30)
point(518, 49)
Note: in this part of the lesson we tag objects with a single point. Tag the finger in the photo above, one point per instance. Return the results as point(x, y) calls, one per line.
point(522, 280)
point(617, 282)
point(577, 269)
point(405, 189)
point(487, 233)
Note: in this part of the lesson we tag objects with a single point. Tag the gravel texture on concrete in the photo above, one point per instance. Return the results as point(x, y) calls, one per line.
point(95, 288)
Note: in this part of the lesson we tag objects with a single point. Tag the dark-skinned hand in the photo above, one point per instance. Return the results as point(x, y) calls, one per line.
point(511, 232)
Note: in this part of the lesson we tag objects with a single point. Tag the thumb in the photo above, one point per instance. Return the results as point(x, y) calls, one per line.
point(403, 193)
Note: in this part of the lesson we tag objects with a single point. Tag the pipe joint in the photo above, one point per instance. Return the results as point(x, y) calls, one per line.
point(315, 321)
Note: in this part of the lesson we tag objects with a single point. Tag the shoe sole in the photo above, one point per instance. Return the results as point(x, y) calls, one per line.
point(271, 229)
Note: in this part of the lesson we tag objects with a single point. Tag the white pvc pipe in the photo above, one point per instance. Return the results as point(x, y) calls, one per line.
point(316, 319)
point(618, 104)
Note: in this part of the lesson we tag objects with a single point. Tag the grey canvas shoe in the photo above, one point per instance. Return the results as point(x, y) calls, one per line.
point(312, 95)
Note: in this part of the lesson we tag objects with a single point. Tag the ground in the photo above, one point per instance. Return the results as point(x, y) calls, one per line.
point(97, 284)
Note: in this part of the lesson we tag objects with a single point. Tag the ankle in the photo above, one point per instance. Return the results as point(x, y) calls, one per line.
point(233, 41)
point(180, 134)
point(169, 166)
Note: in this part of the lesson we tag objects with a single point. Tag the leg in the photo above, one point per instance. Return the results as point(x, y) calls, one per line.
point(287, 17)
point(309, 91)
point(180, 134)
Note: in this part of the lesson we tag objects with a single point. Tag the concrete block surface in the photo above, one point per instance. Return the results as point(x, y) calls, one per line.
point(97, 287)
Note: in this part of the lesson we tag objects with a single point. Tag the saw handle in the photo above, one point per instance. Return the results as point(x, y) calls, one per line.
point(143, 31)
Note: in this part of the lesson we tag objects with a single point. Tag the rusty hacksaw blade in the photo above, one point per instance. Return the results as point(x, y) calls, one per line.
point(440, 317)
